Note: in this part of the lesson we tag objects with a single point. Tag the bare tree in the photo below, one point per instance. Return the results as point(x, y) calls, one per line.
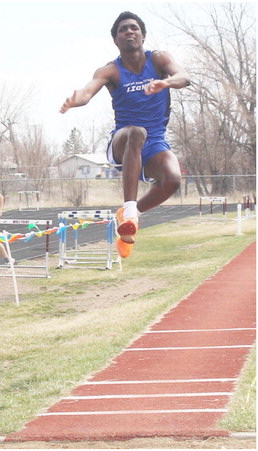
point(13, 105)
point(214, 123)
point(97, 135)
point(92, 138)
point(35, 156)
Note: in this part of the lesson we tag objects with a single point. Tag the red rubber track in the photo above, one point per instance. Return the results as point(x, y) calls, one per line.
point(176, 379)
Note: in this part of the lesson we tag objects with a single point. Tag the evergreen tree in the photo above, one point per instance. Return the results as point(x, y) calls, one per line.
point(74, 144)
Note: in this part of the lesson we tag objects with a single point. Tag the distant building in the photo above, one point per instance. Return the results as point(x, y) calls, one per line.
point(7, 169)
point(86, 166)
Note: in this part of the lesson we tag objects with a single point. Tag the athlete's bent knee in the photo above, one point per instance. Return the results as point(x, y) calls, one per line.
point(172, 183)
point(137, 133)
point(177, 181)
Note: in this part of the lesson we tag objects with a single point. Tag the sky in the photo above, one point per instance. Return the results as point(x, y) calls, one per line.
point(54, 47)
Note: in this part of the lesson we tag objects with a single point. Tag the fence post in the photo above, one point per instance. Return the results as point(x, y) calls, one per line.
point(239, 219)
point(234, 188)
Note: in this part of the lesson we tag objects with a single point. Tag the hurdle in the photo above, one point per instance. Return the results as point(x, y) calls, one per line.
point(88, 256)
point(28, 195)
point(212, 200)
point(13, 275)
point(45, 267)
point(240, 218)
point(248, 206)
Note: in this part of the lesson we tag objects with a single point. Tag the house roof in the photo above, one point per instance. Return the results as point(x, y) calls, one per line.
point(97, 158)
point(8, 165)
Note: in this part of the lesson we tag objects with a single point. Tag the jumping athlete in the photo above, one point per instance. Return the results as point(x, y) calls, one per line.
point(139, 82)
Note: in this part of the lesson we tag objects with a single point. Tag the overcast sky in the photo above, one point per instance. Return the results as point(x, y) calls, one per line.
point(55, 46)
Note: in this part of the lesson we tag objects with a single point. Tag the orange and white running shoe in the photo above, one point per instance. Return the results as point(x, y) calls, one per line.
point(127, 227)
point(124, 249)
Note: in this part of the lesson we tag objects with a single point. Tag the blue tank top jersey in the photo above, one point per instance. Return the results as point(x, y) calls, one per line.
point(133, 107)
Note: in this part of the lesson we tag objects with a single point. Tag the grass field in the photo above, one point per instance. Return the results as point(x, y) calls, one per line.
point(72, 325)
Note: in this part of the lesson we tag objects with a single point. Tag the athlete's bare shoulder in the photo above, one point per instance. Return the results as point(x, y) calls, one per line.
point(165, 63)
point(110, 73)
point(161, 57)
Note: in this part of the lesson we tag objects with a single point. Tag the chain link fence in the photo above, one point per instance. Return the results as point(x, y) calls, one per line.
point(76, 192)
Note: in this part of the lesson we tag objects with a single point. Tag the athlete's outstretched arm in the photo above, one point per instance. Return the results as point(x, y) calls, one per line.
point(175, 76)
point(82, 96)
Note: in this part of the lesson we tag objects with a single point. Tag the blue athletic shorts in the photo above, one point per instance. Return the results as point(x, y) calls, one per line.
point(152, 147)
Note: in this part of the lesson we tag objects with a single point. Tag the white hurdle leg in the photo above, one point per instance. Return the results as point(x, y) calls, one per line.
point(239, 219)
point(12, 269)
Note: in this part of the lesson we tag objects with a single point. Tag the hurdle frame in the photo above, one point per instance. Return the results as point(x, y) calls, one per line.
point(47, 223)
point(249, 206)
point(13, 275)
point(240, 218)
point(212, 200)
point(93, 257)
point(27, 194)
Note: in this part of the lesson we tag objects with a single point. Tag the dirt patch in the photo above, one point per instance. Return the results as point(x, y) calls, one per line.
point(104, 296)
point(153, 443)
point(76, 296)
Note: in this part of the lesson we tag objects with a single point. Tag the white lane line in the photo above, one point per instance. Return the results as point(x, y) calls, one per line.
point(197, 330)
point(179, 348)
point(129, 412)
point(165, 381)
point(161, 395)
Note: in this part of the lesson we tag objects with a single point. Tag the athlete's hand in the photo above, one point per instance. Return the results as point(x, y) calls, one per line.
point(69, 103)
point(155, 86)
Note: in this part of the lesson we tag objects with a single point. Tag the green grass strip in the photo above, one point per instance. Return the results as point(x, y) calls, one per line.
point(72, 325)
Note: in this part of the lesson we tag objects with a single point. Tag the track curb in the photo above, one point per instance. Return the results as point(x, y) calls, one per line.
point(243, 435)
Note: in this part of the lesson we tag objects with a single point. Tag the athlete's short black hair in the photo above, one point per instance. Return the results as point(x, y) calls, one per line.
point(127, 15)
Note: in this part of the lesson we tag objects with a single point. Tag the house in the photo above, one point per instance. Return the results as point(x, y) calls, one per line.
point(7, 169)
point(86, 166)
